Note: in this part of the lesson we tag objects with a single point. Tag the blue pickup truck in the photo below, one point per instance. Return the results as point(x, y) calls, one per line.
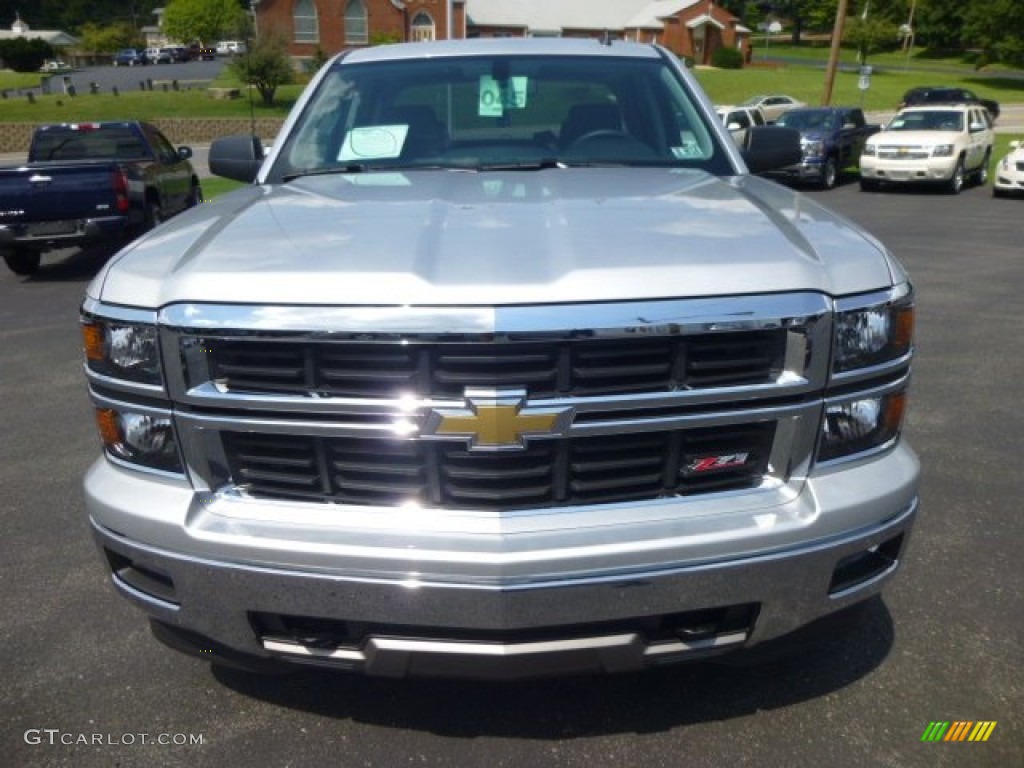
point(88, 182)
point(832, 139)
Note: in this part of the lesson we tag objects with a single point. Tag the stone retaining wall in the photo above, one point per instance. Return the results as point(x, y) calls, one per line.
point(15, 137)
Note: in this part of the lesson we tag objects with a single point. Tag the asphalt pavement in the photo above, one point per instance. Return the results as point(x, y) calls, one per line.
point(85, 685)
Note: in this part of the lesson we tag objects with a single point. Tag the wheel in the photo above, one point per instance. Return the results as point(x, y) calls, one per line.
point(830, 173)
point(997, 192)
point(868, 185)
point(956, 181)
point(982, 176)
point(195, 195)
point(154, 214)
point(22, 262)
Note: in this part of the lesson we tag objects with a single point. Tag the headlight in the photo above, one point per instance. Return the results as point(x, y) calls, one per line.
point(861, 425)
point(144, 439)
point(869, 149)
point(812, 148)
point(943, 150)
point(873, 335)
point(122, 350)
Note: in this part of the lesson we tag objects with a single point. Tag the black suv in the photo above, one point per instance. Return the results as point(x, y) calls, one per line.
point(945, 94)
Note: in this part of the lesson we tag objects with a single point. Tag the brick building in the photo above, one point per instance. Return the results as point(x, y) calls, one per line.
point(689, 28)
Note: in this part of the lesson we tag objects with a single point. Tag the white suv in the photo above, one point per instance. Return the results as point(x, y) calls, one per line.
point(937, 143)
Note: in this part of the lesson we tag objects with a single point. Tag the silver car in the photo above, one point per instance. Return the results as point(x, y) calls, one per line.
point(505, 366)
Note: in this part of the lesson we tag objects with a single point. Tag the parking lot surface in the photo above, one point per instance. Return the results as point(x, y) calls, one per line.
point(85, 684)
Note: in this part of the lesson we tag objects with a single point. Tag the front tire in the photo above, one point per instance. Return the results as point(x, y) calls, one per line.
point(830, 173)
point(982, 176)
point(23, 262)
point(154, 214)
point(956, 181)
point(195, 195)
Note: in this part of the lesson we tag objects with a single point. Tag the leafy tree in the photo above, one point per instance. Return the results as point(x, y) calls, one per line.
point(869, 34)
point(25, 55)
point(206, 20)
point(266, 65)
point(997, 27)
point(108, 39)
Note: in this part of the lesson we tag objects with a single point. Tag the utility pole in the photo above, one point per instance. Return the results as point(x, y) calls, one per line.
point(833, 56)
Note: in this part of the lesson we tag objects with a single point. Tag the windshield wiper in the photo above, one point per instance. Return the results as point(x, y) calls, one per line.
point(530, 165)
point(350, 168)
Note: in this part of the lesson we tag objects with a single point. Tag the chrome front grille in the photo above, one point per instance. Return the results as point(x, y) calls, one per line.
point(903, 153)
point(578, 367)
point(496, 409)
point(547, 473)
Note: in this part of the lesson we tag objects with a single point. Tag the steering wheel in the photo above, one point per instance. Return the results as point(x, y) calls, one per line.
point(601, 134)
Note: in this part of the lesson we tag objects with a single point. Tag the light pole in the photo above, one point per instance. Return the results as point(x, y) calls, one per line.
point(833, 56)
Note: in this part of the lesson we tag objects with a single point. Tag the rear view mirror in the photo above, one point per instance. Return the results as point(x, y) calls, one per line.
point(770, 147)
point(236, 157)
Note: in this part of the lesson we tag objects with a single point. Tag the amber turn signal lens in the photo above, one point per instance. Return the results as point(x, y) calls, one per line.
point(95, 343)
point(109, 426)
point(903, 333)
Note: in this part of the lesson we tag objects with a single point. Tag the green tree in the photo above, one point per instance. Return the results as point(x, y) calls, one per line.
point(266, 65)
point(869, 34)
point(205, 20)
point(107, 39)
point(25, 55)
point(997, 28)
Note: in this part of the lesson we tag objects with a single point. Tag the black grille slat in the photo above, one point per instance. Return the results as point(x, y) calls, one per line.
point(601, 469)
point(573, 367)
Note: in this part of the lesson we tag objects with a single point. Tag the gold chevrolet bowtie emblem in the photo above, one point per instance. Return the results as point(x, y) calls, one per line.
point(496, 420)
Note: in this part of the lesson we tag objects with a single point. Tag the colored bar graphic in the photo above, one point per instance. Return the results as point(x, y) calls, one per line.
point(958, 730)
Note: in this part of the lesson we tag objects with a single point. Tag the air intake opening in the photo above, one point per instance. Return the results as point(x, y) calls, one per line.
point(861, 567)
point(142, 578)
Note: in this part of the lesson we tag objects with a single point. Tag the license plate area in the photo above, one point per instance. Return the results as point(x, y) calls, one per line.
point(44, 228)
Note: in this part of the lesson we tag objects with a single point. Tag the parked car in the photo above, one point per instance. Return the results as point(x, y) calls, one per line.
point(738, 120)
point(832, 139)
point(199, 52)
point(157, 56)
point(175, 53)
point(945, 94)
point(1010, 172)
point(505, 365)
point(55, 66)
point(230, 47)
point(936, 144)
point(772, 105)
point(130, 57)
point(87, 182)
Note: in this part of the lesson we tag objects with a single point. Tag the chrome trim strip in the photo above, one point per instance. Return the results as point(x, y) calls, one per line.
point(123, 385)
point(668, 317)
point(91, 306)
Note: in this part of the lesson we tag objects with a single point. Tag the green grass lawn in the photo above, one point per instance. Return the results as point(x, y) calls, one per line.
point(920, 58)
point(215, 187)
point(808, 84)
point(10, 79)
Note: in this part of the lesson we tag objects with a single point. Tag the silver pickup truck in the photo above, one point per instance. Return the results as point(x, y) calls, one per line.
point(505, 365)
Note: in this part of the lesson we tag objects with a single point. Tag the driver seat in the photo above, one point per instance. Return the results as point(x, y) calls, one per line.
point(587, 118)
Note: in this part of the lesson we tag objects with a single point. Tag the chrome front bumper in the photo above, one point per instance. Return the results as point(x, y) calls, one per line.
point(469, 606)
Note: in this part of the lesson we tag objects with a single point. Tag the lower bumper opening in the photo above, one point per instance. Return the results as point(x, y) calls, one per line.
point(146, 579)
point(861, 568)
point(396, 650)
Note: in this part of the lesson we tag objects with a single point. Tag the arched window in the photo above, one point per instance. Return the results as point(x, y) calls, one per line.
point(422, 27)
point(356, 27)
point(304, 15)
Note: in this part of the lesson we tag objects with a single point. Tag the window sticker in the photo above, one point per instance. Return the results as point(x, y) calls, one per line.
point(688, 148)
point(495, 97)
point(373, 142)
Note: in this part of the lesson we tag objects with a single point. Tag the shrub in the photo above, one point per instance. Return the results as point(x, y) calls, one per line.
point(25, 55)
point(727, 58)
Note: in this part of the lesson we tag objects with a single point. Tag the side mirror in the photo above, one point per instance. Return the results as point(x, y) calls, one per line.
point(236, 157)
point(185, 153)
point(977, 127)
point(733, 127)
point(771, 147)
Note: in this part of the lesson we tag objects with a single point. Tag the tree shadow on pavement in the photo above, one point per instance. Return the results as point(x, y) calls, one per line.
point(814, 661)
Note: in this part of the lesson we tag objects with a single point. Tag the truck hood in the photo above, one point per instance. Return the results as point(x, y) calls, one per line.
point(510, 237)
point(915, 138)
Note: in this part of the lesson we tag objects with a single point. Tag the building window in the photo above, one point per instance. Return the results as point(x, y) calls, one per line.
point(356, 31)
point(304, 15)
point(422, 27)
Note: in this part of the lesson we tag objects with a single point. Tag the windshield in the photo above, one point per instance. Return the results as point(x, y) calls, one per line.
point(808, 121)
point(480, 112)
point(931, 120)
